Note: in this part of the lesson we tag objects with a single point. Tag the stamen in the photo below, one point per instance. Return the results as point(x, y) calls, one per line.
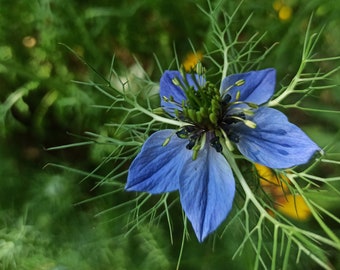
point(227, 140)
point(234, 118)
point(249, 123)
point(237, 83)
point(185, 132)
point(176, 82)
point(240, 82)
point(238, 94)
point(231, 119)
point(171, 100)
point(200, 142)
point(181, 84)
point(195, 151)
point(206, 111)
point(182, 134)
point(252, 105)
point(165, 99)
point(248, 112)
point(167, 140)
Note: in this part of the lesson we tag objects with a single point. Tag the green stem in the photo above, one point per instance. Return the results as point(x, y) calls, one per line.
point(159, 118)
point(317, 217)
point(244, 184)
point(290, 89)
point(225, 61)
point(182, 244)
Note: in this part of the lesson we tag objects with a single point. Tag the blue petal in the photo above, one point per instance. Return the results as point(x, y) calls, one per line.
point(169, 89)
point(207, 189)
point(258, 86)
point(156, 168)
point(275, 142)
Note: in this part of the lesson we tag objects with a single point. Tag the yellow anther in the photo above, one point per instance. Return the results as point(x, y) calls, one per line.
point(248, 112)
point(240, 82)
point(176, 82)
point(226, 141)
point(249, 123)
point(252, 105)
point(238, 94)
point(167, 140)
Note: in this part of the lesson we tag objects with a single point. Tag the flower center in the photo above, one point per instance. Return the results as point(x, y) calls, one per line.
point(209, 115)
point(203, 106)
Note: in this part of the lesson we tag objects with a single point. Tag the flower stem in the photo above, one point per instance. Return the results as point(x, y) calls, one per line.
point(244, 184)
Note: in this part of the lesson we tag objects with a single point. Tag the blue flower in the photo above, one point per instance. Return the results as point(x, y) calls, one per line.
point(191, 159)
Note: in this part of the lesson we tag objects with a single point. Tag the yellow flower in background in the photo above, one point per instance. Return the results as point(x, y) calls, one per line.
point(284, 11)
point(191, 60)
point(270, 182)
point(293, 206)
point(277, 187)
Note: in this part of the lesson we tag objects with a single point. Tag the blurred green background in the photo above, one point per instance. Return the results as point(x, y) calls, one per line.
point(41, 224)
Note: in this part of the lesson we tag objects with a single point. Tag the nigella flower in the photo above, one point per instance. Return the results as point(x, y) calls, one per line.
point(192, 159)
